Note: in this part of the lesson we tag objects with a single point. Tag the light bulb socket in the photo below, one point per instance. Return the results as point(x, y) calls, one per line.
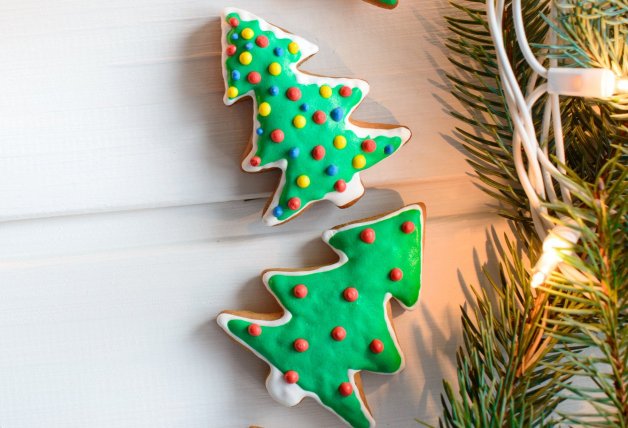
point(581, 82)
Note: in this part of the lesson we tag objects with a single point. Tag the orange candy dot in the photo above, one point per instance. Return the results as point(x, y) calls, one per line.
point(254, 330)
point(299, 291)
point(345, 389)
point(291, 376)
point(338, 333)
point(368, 236)
point(350, 294)
point(301, 345)
point(376, 346)
point(396, 274)
point(407, 227)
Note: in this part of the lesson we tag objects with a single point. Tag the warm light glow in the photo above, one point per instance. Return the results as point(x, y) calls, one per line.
point(559, 241)
point(537, 279)
point(622, 86)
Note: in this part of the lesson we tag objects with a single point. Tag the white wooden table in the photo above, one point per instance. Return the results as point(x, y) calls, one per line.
point(126, 224)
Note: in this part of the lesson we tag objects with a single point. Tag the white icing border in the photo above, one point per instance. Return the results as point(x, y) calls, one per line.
point(292, 394)
point(355, 188)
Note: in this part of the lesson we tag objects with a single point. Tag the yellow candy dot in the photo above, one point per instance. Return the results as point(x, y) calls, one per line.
point(246, 58)
point(293, 47)
point(247, 34)
point(274, 69)
point(264, 109)
point(303, 181)
point(340, 142)
point(299, 121)
point(325, 91)
point(232, 92)
point(359, 161)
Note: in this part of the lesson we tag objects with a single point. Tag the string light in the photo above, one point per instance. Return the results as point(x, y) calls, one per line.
point(536, 171)
point(582, 82)
point(622, 86)
point(558, 244)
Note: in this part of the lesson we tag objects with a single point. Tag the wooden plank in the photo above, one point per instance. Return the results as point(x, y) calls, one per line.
point(71, 235)
point(117, 106)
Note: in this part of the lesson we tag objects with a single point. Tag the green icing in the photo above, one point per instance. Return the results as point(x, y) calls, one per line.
point(388, 2)
point(325, 365)
point(283, 111)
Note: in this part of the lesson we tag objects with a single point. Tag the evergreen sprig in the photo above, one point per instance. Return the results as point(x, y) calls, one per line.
point(592, 296)
point(526, 352)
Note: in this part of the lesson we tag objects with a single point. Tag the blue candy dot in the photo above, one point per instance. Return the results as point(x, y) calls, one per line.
point(389, 149)
point(235, 75)
point(235, 36)
point(277, 211)
point(273, 90)
point(337, 114)
point(248, 46)
point(294, 152)
point(331, 170)
point(278, 51)
point(259, 131)
point(304, 107)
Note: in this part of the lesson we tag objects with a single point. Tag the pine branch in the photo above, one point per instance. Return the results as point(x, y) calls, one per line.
point(596, 284)
point(496, 386)
point(522, 351)
point(499, 375)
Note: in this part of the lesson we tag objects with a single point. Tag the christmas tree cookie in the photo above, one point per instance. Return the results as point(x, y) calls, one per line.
point(336, 319)
point(301, 122)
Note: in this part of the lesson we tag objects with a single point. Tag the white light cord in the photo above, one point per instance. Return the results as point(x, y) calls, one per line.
point(537, 177)
point(537, 174)
point(523, 40)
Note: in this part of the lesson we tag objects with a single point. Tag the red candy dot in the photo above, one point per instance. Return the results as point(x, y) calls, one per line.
point(338, 333)
point(299, 291)
point(396, 274)
point(319, 117)
point(318, 152)
point(301, 345)
point(407, 227)
point(345, 91)
point(234, 22)
point(231, 50)
point(340, 186)
point(261, 41)
point(345, 389)
point(368, 236)
point(368, 146)
point(254, 329)
point(255, 161)
point(294, 204)
point(350, 294)
point(254, 77)
point(291, 376)
point(277, 136)
point(376, 346)
point(293, 94)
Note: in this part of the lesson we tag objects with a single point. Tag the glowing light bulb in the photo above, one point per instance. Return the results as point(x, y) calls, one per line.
point(559, 242)
point(537, 279)
point(621, 86)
